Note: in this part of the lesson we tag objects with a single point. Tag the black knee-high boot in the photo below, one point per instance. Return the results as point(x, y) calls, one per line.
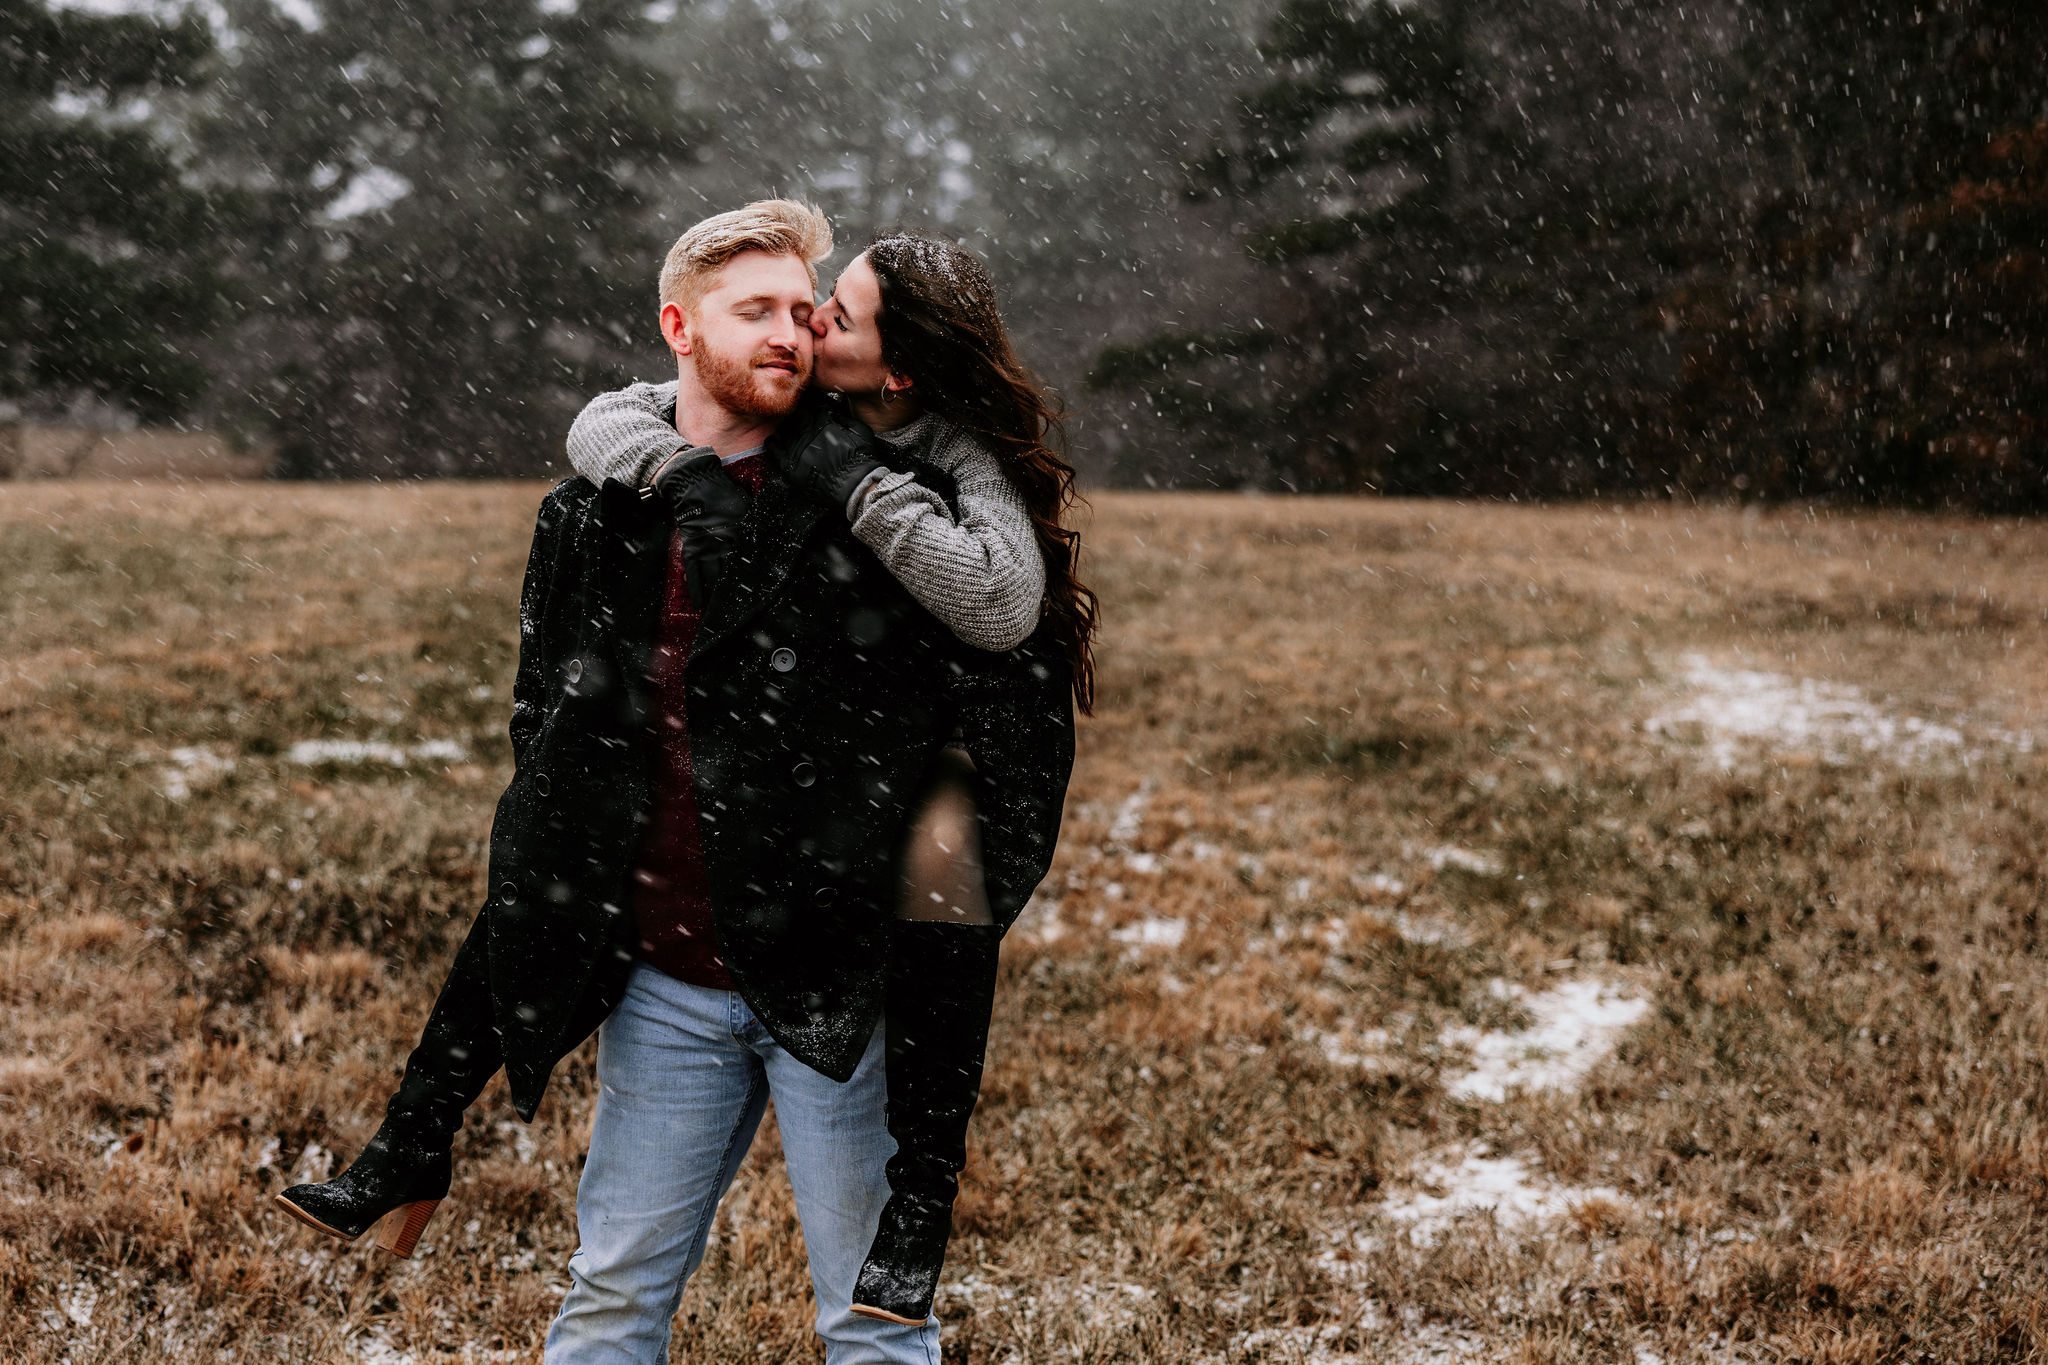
point(405, 1170)
point(941, 987)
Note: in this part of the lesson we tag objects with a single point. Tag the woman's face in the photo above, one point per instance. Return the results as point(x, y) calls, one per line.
point(847, 355)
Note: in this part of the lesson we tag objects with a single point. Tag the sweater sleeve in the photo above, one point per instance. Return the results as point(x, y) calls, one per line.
point(980, 573)
point(625, 434)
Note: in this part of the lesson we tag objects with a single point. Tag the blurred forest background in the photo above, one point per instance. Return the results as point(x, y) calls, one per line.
point(1529, 248)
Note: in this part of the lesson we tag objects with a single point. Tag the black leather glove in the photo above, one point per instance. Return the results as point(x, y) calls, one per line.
point(708, 507)
point(831, 459)
point(940, 481)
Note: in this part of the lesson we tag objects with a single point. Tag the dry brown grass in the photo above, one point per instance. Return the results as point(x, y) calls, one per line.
point(1825, 1142)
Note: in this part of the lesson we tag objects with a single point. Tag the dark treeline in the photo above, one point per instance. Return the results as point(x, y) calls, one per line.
point(1785, 250)
point(1533, 248)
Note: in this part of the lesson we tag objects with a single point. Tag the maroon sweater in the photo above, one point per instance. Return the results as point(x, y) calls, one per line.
point(671, 897)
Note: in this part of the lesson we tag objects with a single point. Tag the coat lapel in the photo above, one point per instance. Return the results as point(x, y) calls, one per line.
point(632, 541)
point(772, 538)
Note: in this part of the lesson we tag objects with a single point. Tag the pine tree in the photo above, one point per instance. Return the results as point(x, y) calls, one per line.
point(1457, 218)
point(105, 281)
point(1870, 326)
point(1356, 150)
point(457, 223)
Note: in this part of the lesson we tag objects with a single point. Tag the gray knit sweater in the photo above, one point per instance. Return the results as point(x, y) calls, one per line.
point(980, 573)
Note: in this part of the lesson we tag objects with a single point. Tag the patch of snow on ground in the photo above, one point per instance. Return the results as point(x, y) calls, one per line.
point(189, 765)
point(311, 751)
point(1433, 1343)
point(1348, 1047)
point(76, 1303)
point(1130, 816)
point(1108, 1304)
point(1344, 1259)
point(1040, 918)
point(1463, 860)
point(374, 1348)
point(524, 1144)
point(1153, 933)
point(1735, 712)
point(1380, 884)
point(315, 1163)
point(1411, 1343)
point(977, 1288)
point(1427, 929)
point(1474, 1183)
point(1577, 1026)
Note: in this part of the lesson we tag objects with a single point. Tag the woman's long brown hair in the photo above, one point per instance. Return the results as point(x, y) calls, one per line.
point(941, 328)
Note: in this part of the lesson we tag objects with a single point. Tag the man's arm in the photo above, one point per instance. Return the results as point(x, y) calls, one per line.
point(626, 434)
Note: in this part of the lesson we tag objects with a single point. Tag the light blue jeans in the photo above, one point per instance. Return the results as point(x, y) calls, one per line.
point(684, 1074)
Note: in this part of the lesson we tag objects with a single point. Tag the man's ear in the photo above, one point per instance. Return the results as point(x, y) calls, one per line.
point(676, 328)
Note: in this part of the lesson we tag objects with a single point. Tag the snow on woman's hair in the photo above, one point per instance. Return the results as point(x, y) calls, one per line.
point(780, 227)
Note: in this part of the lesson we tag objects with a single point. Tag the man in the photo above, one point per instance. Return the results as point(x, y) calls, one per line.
point(724, 709)
point(733, 644)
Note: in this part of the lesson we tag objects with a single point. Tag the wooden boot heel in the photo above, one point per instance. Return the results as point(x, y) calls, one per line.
point(398, 1231)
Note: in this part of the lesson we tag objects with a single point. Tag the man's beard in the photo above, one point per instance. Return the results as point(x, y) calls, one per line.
point(735, 385)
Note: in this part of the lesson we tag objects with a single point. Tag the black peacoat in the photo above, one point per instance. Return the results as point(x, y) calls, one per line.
point(818, 695)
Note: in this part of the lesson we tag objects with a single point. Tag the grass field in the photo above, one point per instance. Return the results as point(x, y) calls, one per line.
point(1480, 933)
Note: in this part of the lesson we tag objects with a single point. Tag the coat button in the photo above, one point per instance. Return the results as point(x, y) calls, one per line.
point(508, 893)
point(541, 783)
point(782, 660)
point(803, 774)
point(575, 670)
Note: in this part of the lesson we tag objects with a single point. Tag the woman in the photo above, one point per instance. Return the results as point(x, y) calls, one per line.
point(913, 322)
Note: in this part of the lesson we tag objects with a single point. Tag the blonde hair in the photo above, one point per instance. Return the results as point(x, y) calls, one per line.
point(781, 227)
